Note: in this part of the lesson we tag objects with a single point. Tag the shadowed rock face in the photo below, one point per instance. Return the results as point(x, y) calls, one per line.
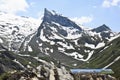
point(63, 21)
point(102, 28)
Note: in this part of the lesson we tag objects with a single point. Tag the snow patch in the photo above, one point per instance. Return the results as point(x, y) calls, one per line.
point(79, 57)
point(74, 64)
point(46, 51)
point(66, 45)
point(111, 34)
point(95, 47)
point(112, 38)
point(100, 45)
point(86, 51)
point(89, 56)
point(28, 66)
point(52, 42)
point(55, 36)
point(56, 23)
point(104, 48)
point(40, 44)
point(61, 49)
point(90, 45)
point(30, 49)
point(1, 41)
point(42, 37)
point(23, 55)
point(18, 63)
point(112, 62)
point(76, 42)
point(76, 55)
point(51, 50)
point(40, 60)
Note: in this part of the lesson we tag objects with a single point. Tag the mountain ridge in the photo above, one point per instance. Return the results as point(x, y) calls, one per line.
point(54, 32)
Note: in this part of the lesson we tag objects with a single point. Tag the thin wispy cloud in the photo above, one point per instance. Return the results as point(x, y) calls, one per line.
point(13, 6)
point(82, 20)
point(110, 3)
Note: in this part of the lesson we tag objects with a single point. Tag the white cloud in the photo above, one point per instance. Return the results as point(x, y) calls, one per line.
point(106, 3)
point(109, 3)
point(13, 6)
point(115, 2)
point(82, 20)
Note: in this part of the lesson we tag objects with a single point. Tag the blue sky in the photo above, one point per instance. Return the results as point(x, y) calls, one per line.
point(91, 13)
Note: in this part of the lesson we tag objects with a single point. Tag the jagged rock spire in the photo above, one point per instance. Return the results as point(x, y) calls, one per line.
point(53, 17)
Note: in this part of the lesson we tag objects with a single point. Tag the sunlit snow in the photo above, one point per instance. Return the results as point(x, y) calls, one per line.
point(1, 41)
point(30, 49)
point(112, 62)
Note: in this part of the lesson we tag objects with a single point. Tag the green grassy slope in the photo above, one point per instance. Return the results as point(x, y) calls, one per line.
point(104, 56)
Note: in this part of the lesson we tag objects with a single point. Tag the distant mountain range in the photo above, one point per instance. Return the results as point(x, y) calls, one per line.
point(56, 39)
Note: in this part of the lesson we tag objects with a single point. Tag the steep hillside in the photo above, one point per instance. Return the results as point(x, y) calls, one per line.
point(107, 57)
